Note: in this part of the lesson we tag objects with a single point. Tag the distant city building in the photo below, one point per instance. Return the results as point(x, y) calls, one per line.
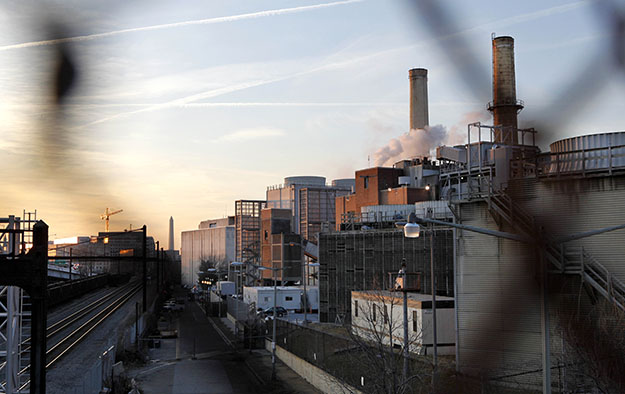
point(117, 243)
point(214, 241)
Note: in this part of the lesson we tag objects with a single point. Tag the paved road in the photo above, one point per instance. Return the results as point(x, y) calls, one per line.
point(198, 361)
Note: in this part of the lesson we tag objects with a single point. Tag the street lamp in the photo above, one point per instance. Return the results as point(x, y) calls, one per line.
point(412, 230)
point(236, 304)
point(273, 340)
point(214, 270)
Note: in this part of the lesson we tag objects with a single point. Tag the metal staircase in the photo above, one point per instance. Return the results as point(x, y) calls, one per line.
point(563, 259)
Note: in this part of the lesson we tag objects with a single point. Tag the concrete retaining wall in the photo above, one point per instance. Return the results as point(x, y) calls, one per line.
point(316, 376)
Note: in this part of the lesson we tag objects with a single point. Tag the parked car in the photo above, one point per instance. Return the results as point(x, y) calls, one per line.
point(280, 312)
point(172, 306)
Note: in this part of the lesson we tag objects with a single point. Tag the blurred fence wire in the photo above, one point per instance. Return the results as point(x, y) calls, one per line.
point(607, 61)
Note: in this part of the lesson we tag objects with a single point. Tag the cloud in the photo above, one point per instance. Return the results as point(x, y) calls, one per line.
point(251, 134)
point(221, 19)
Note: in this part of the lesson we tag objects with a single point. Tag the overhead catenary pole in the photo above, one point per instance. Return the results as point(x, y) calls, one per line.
point(158, 266)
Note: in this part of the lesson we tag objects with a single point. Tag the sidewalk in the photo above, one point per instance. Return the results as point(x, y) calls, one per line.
point(259, 363)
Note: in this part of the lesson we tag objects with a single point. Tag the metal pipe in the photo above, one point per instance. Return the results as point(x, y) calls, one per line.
point(406, 344)
point(305, 278)
point(434, 338)
point(455, 259)
point(585, 234)
point(544, 317)
point(493, 233)
point(145, 268)
point(275, 297)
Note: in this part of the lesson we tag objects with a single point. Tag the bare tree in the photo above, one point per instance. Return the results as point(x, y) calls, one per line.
point(377, 334)
point(593, 351)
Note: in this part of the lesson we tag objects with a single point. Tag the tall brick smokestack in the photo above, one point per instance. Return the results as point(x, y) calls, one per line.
point(418, 98)
point(505, 105)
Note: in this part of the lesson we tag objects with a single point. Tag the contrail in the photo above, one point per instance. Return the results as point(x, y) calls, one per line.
point(189, 100)
point(208, 21)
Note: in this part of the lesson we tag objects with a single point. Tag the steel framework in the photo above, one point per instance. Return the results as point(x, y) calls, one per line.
point(23, 270)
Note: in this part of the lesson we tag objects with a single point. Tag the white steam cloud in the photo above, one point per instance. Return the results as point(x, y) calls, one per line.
point(415, 143)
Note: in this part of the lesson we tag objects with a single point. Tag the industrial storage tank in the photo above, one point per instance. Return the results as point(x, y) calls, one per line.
point(592, 152)
point(345, 183)
point(305, 180)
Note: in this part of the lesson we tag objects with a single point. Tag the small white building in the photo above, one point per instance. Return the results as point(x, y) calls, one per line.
point(378, 315)
point(289, 297)
point(225, 287)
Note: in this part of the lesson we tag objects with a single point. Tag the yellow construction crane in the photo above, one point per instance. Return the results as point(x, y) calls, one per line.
point(106, 215)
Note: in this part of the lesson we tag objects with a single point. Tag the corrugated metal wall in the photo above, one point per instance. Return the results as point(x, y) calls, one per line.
point(498, 299)
point(576, 205)
point(499, 328)
point(361, 260)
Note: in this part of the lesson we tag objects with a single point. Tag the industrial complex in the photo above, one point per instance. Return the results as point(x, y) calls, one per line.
point(503, 259)
point(521, 235)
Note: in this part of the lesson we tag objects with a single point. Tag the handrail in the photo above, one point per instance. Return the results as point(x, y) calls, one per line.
point(592, 272)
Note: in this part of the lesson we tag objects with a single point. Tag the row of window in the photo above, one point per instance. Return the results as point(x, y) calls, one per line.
point(287, 298)
point(374, 314)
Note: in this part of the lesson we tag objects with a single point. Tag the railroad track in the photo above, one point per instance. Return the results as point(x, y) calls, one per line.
point(74, 331)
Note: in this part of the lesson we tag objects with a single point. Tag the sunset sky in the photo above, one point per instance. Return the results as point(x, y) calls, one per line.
point(183, 107)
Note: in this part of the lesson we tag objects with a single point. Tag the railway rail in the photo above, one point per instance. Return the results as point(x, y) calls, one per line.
point(64, 335)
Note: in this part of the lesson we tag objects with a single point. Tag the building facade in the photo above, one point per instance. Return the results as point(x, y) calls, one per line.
point(362, 260)
point(213, 241)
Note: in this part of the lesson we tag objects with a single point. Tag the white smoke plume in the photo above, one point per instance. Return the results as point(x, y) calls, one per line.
point(415, 143)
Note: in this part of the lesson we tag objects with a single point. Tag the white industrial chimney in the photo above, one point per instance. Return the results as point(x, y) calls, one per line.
point(418, 98)
point(171, 233)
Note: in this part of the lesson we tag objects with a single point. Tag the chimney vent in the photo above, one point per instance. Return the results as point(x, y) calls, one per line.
point(505, 105)
point(418, 98)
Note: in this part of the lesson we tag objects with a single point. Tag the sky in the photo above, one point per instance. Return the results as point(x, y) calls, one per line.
point(181, 108)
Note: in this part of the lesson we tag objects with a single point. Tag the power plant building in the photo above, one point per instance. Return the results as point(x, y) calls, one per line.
point(513, 298)
point(362, 260)
point(310, 200)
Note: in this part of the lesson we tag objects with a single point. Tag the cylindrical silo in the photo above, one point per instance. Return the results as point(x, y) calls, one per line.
point(505, 105)
point(418, 98)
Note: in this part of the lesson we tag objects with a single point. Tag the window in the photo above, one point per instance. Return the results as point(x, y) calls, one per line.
point(366, 182)
point(385, 314)
point(414, 321)
point(266, 299)
point(287, 298)
point(356, 308)
point(374, 312)
point(266, 235)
